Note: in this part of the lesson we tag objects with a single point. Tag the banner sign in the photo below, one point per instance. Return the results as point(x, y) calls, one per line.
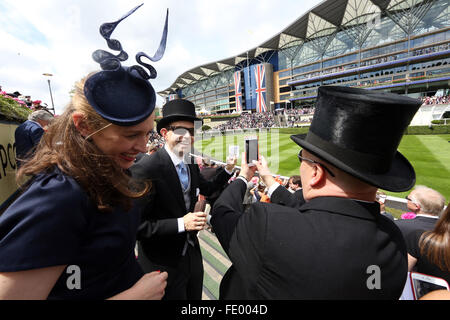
point(7, 160)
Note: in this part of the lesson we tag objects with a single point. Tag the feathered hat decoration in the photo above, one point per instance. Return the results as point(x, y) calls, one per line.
point(123, 95)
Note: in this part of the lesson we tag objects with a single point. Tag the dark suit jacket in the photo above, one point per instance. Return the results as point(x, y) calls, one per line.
point(323, 250)
point(209, 173)
point(27, 136)
point(284, 197)
point(158, 232)
point(408, 226)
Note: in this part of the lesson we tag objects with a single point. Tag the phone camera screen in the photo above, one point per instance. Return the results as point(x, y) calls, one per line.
point(251, 148)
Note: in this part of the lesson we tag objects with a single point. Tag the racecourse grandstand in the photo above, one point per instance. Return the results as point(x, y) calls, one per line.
point(400, 46)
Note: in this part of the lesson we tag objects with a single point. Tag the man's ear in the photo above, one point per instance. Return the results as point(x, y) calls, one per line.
point(163, 132)
point(80, 123)
point(318, 175)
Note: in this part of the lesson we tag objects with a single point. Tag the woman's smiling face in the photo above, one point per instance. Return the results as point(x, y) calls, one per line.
point(124, 143)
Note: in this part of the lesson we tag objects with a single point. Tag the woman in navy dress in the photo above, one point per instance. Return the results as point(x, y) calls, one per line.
point(71, 233)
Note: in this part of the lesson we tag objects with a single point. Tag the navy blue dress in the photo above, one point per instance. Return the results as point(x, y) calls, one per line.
point(54, 223)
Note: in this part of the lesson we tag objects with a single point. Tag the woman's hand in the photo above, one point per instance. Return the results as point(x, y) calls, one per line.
point(150, 287)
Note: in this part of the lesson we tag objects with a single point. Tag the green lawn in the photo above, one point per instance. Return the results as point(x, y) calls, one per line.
point(429, 155)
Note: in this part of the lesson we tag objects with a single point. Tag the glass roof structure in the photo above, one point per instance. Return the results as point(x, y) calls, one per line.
point(332, 28)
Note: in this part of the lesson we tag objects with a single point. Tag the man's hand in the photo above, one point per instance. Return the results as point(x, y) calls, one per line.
point(231, 163)
point(194, 221)
point(246, 171)
point(264, 172)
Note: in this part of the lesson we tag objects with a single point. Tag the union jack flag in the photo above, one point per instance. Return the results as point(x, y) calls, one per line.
point(260, 88)
point(238, 91)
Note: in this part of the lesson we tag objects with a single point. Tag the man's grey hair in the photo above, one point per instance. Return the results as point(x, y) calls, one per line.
point(40, 115)
point(430, 201)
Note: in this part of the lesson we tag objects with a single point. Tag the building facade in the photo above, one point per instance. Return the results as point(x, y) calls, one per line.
point(400, 46)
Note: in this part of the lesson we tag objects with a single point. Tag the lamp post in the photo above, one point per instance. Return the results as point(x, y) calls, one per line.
point(50, 89)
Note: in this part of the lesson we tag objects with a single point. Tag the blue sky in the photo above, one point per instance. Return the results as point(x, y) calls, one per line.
point(59, 36)
point(12, 23)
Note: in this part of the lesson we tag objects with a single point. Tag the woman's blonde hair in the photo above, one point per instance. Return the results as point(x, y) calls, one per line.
point(98, 174)
point(435, 245)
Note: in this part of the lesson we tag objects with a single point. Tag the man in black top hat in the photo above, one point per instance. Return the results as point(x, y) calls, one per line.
point(337, 245)
point(168, 233)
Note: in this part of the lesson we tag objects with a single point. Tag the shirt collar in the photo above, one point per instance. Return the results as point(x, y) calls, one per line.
point(36, 123)
point(427, 216)
point(344, 206)
point(175, 159)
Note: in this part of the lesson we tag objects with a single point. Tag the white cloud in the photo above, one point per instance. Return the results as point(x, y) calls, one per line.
point(59, 37)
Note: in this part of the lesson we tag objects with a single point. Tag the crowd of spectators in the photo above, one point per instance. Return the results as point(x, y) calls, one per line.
point(155, 142)
point(250, 120)
point(380, 60)
point(369, 62)
point(422, 51)
point(294, 116)
point(24, 100)
point(267, 119)
point(436, 100)
point(156, 138)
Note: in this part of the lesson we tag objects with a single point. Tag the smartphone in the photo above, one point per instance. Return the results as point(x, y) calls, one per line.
point(422, 284)
point(251, 149)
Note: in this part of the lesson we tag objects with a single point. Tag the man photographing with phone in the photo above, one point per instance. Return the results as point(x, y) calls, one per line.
point(327, 247)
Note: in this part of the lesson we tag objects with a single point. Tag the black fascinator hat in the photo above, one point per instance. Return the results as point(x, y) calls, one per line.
point(359, 131)
point(123, 95)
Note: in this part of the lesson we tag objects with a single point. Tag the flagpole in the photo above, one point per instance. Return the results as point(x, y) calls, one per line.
point(249, 80)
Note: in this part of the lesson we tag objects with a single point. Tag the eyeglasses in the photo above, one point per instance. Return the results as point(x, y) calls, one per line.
point(300, 158)
point(413, 201)
point(181, 131)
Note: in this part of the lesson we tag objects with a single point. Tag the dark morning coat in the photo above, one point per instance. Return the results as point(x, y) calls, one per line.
point(158, 232)
point(322, 250)
point(284, 197)
point(408, 226)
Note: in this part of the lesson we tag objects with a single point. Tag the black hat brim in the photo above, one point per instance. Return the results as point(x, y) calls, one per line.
point(165, 121)
point(399, 178)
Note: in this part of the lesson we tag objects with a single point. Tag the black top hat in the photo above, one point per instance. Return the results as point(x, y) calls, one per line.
point(177, 110)
point(122, 95)
point(358, 131)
